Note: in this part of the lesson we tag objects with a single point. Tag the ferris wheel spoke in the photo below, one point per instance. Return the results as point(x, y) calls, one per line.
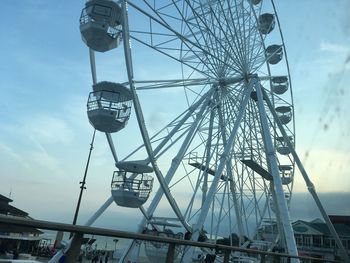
point(239, 31)
point(249, 185)
point(191, 27)
point(218, 172)
point(176, 83)
point(218, 36)
point(184, 39)
point(214, 37)
point(228, 16)
point(255, 200)
point(223, 25)
point(176, 160)
point(111, 146)
point(182, 121)
point(144, 132)
point(176, 125)
point(171, 56)
point(245, 41)
point(236, 39)
point(208, 156)
point(254, 43)
point(221, 207)
point(202, 30)
point(230, 175)
point(204, 169)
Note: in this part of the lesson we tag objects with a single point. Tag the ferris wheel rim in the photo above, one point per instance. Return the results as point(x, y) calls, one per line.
point(226, 81)
point(270, 77)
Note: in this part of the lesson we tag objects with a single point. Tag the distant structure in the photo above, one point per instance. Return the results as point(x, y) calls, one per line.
point(15, 238)
point(314, 238)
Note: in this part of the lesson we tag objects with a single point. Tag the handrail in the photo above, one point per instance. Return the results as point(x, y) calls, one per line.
point(78, 229)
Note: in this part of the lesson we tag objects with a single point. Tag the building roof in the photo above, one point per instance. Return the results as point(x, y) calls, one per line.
point(340, 228)
point(11, 211)
point(5, 199)
point(6, 228)
point(5, 209)
point(335, 219)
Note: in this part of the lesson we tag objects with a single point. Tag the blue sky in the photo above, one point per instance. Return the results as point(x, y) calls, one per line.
point(45, 80)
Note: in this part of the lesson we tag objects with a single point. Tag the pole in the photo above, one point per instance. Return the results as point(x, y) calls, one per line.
point(82, 183)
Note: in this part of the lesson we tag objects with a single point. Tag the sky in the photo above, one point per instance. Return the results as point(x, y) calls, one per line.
point(45, 133)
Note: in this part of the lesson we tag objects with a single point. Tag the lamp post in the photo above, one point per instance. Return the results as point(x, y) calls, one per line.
point(115, 243)
point(82, 183)
point(77, 238)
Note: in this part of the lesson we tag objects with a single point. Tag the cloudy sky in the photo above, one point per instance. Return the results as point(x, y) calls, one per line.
point(45, 134)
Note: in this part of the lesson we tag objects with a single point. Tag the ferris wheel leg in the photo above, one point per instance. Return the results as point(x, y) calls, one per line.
point(279, 225)
point(99, 212)
point(92, 219)
point(273, 168)
point(309, 184)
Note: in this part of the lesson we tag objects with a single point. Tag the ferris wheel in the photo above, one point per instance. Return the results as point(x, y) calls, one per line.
point(222, 164)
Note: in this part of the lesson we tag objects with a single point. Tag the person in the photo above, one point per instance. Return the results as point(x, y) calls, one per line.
point(106, 257)
point(80, 258)
point(62, 258)
point(210, 258)
point(95, 257)
point(15, 254)
point(188, 235)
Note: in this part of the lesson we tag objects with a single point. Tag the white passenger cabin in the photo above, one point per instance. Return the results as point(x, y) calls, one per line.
point(282, 147)
point(157, 251)
point(131, 185)
point(109, 106)
point(274, 54)
point(255, 2)
point(100, 24)
point(279, 84)
point(266, 23)
point(286, 174)
point(284, 114)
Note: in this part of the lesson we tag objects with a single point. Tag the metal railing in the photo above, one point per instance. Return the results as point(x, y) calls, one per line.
point(79, 231)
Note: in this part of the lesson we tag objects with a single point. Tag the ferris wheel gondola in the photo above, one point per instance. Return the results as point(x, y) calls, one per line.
point(131, 185)
point(100, 25)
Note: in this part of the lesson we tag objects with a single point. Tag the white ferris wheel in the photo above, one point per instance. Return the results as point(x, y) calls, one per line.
point(224, 161)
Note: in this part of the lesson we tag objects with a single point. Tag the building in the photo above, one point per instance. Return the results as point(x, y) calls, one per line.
point(14, 238)
point(314, 238)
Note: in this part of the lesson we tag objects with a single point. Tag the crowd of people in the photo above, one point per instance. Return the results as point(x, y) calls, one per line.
point(100, 256)
point(97, 256)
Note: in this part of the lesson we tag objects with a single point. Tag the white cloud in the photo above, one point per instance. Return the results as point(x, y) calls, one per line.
point(36, 143)
point(8, 151)
point(47, 129)
point(334, 48)
point(327, 169)
point(43, 158)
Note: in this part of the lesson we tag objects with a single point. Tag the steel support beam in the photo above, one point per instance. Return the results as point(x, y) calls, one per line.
point(274, 170)
point(309, 184)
